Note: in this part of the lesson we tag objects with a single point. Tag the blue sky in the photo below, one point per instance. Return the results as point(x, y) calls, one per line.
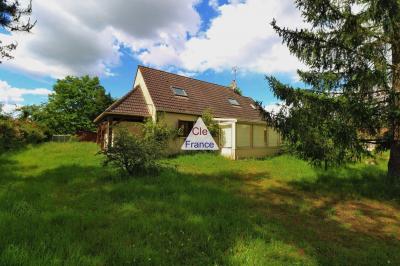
point(203, 39)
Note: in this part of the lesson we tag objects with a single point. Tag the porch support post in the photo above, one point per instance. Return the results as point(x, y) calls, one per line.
point(234, 140)
point(109, 131)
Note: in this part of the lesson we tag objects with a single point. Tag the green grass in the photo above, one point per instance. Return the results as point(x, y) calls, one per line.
point(59, 206)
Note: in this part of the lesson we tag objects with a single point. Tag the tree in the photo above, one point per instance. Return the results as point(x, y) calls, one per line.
point(12, 19)
point(2, 115)
point(352, 50)
point(75, 103)
point(31, 112)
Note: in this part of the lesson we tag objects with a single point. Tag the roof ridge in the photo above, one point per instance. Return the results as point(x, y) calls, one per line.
point(225, 87)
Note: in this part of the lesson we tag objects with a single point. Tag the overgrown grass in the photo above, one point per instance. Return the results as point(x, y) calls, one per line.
point(59, 206)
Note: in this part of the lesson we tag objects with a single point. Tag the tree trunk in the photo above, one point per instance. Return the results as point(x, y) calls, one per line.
point(394, 160)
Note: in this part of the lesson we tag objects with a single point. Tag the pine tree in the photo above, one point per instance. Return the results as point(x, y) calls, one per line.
point(14, 17)
point(352, 50)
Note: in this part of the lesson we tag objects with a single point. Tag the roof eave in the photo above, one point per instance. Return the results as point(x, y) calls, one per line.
point(102, 115)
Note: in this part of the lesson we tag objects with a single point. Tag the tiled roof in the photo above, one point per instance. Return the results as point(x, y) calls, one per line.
point(200, 96)
point(133, 104)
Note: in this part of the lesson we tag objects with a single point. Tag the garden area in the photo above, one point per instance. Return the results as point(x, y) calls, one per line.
point(59, 205)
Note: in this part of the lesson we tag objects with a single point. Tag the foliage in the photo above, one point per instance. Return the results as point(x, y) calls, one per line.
point(35, 114)
point(73, 106)
point(30, 132)
point(134, 154)
point(2, 114)
point(209, 211)
point(159, 131)
point(212, 125)
point(237, 90)
point(352, 83)
point(139, 153)
point(318, 128)
point(17, 133)
point(12, 19)
point(31, 112)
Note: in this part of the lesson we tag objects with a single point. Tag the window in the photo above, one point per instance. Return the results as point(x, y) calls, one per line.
point(179, 91)
point(185, 127)
point(273, 138)
point(259, 136)
point(233, 102)
point(243, 135)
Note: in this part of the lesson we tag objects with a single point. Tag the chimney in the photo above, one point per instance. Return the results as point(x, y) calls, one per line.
point(233, 85)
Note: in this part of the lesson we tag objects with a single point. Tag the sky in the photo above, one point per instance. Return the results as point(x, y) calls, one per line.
point(203, 39)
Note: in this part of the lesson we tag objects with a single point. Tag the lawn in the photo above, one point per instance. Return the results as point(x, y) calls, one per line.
point(58, 205)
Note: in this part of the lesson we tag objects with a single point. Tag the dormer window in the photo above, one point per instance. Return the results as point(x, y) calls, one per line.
point(233, 102)
point(179, 92)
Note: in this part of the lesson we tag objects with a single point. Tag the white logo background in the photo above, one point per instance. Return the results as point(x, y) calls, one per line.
point(199, 138)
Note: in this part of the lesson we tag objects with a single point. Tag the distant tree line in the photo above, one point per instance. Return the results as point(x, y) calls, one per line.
point(72, 107)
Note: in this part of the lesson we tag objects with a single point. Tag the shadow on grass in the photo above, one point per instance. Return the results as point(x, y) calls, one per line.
point(7, 169)
point(71, 214)
point(313, 224)
point(369, 182)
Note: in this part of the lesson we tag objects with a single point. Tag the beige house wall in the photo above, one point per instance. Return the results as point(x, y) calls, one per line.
point(139, 81)
point(273, 138)
point(171, 119)
point(135, 128)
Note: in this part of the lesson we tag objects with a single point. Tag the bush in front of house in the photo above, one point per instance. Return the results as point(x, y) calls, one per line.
point(137, 154)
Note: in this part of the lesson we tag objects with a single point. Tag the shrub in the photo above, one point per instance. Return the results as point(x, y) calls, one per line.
point(8, 135)
point(137, 154)
point(212, 125)
point(17, 133)
point(160, 131)
point(31, 133)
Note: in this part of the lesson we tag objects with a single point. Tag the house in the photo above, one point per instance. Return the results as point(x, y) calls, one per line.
point(181, 100)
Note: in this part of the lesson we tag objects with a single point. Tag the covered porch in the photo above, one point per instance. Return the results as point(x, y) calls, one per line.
point(244, 139)
point(109, 122)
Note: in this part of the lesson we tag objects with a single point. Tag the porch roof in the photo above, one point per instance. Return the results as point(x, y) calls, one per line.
point(132, 104)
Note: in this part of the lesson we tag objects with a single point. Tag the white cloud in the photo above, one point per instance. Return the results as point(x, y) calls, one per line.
point(11, 97)
point(160, 56)
point(83, 37)
point(186, 74)
point(10, 108)
point(273, 107)
point(241, 35)
point(213, 3)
